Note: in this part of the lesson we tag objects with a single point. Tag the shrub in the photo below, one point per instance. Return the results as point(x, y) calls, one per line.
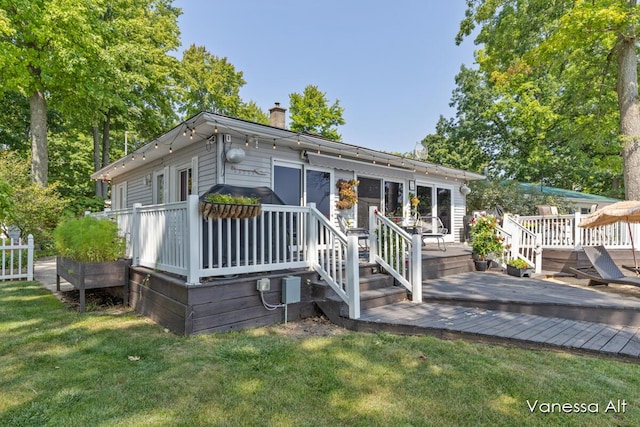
point(89, 239)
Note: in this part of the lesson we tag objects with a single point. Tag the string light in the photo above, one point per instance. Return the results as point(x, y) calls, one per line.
point(170, 149)
point(156, 147)
point(144, 157)
point(215, 129)
point(246, 141)
point(318, 148)
point(184, 132)
point(133, 157)
point(298, 139)
point(340, 154)
point(274, 144)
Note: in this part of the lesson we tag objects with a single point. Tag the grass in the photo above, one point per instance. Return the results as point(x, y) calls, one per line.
point(62, 368)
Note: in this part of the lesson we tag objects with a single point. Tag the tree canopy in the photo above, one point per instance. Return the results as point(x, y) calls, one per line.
point(554, 98)
point(310, 112)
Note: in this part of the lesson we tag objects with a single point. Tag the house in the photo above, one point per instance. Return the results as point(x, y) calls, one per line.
point(300, 168)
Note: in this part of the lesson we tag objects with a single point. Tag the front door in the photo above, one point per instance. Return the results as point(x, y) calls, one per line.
point(369, 194)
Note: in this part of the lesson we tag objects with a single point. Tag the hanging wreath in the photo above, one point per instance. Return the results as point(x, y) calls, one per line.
point(347, 196)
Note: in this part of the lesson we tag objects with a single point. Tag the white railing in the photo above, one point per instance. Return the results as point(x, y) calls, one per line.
point(398, 252)
point(17, 259)
point(175, 238)
point(335, 257)
point(562, 231)
point(522, 243)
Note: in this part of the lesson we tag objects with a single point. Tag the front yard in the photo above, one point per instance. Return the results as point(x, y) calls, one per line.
point(59, 367)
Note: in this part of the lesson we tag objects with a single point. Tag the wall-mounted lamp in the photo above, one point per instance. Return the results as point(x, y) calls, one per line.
point(465, 190)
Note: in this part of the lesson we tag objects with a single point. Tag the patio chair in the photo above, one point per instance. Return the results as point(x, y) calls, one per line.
point(361, 233)
point(427, 229)
point(604, 270)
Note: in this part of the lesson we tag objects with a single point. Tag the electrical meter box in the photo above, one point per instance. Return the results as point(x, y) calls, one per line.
point(290, 290)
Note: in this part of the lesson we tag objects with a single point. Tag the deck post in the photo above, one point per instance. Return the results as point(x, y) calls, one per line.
point(577, 232)
point(416, 267)
point(194, 244)
point(30, 257)
point(312, 236)
point(135, 235)
point(353, 277)
point(373, 242)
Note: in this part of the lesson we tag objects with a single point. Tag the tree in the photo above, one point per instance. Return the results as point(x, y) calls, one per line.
point(310, 112)
point(32, 208)
point(45, 47)
point(556, 69)
point(210, 83)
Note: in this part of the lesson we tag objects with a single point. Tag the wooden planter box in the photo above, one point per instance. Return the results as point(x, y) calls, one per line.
point(96, 275)
point(519, 272)
point(224, 210)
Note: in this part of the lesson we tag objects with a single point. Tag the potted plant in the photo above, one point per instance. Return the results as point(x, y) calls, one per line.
point(485, 242)
point(90, 255)
point(216, 205)
point(519, 268)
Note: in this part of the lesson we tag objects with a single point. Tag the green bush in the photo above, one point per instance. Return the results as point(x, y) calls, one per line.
point(89, 239)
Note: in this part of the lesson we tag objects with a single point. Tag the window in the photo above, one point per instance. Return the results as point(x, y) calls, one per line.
point(185, 183)
point(444, 207)
point(287, 184)
point(318, 188)
point(158, 189)
point(393, 198)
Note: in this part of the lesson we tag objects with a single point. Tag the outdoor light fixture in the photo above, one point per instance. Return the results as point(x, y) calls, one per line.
point(465, 190)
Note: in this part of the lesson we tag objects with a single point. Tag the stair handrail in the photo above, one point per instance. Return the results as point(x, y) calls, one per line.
point(397, 251)
point(334, 256)
point(524, 244)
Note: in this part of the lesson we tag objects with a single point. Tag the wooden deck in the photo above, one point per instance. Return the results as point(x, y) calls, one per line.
point(494, 307)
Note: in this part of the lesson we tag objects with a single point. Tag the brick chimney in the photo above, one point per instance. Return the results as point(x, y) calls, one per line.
point(277, 116)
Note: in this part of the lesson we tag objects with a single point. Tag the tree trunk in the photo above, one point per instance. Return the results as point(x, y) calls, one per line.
point(96, 159)
point(38, 128)
point(629, 110)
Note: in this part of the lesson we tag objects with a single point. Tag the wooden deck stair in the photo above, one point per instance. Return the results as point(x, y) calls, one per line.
point(376, 289)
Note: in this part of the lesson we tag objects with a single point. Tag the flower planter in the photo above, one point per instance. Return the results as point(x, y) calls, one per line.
point(519, 272)
point(93, 275)
point(481, 265)
point(228, 210)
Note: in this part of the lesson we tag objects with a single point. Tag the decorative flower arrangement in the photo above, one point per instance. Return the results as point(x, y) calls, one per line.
point(347, 196)
point(484, 237)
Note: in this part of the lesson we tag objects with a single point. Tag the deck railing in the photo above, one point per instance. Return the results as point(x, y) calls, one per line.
point(16, 256)
point(175, 238)
point(522, 243)
point(397, 251)
point(562, 231)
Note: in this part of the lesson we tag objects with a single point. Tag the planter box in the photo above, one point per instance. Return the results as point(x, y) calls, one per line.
point(220, 210)
point(519, 272)
point(96, 275)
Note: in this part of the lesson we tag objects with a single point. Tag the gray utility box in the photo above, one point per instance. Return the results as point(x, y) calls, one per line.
point(290, 290)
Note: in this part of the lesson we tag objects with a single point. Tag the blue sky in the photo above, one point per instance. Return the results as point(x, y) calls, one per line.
point(390, 64)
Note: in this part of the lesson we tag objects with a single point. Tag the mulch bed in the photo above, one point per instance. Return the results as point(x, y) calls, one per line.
point(95, 300)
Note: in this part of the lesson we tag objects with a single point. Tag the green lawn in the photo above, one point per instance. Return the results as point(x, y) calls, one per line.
point(61, 368)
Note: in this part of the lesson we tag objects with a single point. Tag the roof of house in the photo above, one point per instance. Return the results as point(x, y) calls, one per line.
point(568, 194)
point(204, 127)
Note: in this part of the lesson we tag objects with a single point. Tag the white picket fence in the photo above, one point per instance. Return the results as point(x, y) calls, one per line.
point(17, 259)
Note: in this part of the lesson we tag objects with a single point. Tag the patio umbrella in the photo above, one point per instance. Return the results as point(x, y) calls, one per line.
point(627, 210)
